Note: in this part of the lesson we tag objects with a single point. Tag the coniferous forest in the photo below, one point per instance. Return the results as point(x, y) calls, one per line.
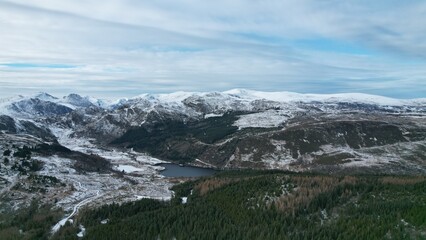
point(268, 205)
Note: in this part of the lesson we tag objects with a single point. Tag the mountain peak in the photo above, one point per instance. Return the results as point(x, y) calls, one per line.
point(78, 101)
point(45, 96)
point(73, 96)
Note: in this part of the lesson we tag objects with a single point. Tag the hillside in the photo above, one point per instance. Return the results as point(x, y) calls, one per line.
point(270, 205)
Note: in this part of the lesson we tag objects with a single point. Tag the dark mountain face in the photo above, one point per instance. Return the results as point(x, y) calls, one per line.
point(36, 131)
point(7, 124)
point(353, 134)
point(37, 107)
point(177, 140)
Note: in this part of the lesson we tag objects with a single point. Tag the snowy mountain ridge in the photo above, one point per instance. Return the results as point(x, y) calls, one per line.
point(109, 119)
point(74, 100)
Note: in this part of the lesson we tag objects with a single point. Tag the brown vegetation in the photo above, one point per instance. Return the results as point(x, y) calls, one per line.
point(213, 183)
point(402, 180)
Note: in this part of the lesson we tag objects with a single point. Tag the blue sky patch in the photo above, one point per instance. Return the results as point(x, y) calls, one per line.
point(331, 45)
point(37, 65)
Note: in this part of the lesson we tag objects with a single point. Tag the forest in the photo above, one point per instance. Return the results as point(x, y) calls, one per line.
point(268, 205)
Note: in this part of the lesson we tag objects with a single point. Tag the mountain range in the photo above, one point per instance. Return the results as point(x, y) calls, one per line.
point(236, 129)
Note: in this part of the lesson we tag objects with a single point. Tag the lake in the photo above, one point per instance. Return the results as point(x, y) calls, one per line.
point(175, 170)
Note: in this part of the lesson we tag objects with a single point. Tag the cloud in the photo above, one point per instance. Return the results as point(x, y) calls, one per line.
point(122, 48)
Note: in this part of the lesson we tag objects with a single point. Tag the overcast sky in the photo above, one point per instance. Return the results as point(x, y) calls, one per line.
point(118, 48)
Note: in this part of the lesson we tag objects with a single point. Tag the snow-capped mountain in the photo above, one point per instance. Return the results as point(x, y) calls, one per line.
point(196, 103)
point(236, 128)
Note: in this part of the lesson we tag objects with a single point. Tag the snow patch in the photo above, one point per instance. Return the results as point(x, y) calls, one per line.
point(210, 115)
point(162, 198)
point(266, 119)
point(82, 231)
point(129, 169)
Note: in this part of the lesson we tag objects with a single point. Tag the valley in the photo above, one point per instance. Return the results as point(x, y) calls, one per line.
point(75, 152)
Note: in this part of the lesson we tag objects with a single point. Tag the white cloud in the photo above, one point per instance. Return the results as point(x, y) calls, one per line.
point(128, 46)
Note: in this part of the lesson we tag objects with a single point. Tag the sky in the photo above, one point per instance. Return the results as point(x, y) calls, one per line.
point(122, 48)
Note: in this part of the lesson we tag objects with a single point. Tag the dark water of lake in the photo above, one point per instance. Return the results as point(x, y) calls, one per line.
point(174, 170)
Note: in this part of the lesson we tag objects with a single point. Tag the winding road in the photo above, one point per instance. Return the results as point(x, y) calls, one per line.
point(75, 210)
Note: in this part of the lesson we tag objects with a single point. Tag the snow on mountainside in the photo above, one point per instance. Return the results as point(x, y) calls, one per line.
point(236, 99)
point(44, 104)
point(243, 98)
point(45, 97)
point(341, 97)
point(197, 105)
point(107, 120)
point(232, 129)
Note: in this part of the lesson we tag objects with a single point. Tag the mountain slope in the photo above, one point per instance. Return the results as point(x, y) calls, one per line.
point(242, 128)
